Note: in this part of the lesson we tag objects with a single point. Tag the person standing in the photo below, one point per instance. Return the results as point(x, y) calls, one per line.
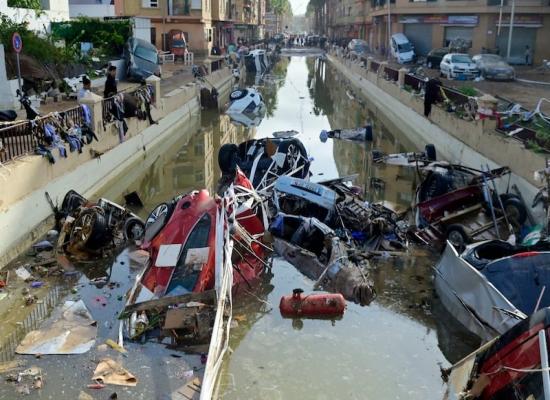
point(86, 88)
point(110, 83)
point(528, 55)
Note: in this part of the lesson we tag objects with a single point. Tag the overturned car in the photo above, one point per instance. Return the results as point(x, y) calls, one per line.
point(89, 228)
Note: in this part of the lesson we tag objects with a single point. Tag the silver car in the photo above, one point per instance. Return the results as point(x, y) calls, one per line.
point(493, 66)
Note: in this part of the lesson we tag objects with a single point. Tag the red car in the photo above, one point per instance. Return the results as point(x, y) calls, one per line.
point(185, 237)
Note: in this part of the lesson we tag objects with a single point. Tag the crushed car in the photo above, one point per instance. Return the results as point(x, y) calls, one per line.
point(90, 229)
point(245, 101)
point(317, 252)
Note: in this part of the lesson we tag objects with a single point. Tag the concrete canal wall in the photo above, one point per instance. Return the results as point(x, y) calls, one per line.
point(457, 140)
point(25, 214)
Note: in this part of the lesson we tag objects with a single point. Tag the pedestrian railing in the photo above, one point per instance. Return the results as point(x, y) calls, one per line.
point(374, 66)
point(391, 74)
point(414, 82)
point(40, 310)
point(22, 137)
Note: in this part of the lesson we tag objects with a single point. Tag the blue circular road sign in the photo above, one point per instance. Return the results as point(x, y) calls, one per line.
point(17, 42)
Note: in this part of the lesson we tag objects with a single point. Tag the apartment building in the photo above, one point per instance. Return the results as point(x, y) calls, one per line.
point(434, 23)
point(205, 23)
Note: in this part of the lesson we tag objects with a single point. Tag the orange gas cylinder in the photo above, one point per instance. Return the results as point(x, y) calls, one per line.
point(312, 305)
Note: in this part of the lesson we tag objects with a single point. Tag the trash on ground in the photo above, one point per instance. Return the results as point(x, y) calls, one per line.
point(44, 245)
point(361, 134)
point(110, 372)
point(115, 346)
point(23, 273)
point(70, 330)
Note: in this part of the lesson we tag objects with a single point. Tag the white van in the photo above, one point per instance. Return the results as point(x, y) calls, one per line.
point(402, 49)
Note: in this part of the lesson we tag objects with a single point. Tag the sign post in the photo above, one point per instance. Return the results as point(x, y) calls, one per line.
point(17, 44)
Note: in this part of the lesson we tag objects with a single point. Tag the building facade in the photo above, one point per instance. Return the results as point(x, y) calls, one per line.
point(434, 23)
point(91, 8)
point(204, 23)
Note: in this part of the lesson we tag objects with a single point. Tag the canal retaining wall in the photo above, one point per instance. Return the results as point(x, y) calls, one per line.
point(25, 214)
point(472, 143)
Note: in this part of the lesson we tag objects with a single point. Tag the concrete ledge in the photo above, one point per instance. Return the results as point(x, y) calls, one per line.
point(459, 141)
point(25, 214)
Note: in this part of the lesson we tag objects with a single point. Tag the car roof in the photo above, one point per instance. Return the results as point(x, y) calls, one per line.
point(400, 38)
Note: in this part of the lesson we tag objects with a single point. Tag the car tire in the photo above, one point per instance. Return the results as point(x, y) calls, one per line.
point(161, 213)
point(228, 157)
point(515, 211)
point(90, 229)
point(457, 235)
point(431, 154)
point(134, 229)
point(238, 94)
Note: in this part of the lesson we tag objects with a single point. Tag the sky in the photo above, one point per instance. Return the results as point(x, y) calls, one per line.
point(298, 6)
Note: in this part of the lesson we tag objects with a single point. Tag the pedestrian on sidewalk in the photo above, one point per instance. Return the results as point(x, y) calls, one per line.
point(528, 55)
point(110, 83)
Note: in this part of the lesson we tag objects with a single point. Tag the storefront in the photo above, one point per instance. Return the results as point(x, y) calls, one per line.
point(419, 29)
point(524, 34)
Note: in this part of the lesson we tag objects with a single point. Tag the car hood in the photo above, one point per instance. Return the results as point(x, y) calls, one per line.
point(497, 65)
point(465, 65)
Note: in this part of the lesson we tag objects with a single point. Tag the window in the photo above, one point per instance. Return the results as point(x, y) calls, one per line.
point(208, 34)
point(349, 11)
point(196, 5)
point(179, 7)
point(150, 3)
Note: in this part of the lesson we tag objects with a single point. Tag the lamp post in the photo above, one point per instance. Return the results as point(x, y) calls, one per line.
point(510, 30)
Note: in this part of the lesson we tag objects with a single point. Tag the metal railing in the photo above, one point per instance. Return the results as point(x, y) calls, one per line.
point(374, 65)
point(391, 74)
point(22, 138)
point(414, 82)
point(39, 312)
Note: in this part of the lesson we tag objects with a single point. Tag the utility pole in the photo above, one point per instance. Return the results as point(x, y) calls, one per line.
point(510, 30)
point(389, 29)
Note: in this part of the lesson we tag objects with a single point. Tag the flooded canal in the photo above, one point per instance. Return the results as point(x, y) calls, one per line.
point(392, 349)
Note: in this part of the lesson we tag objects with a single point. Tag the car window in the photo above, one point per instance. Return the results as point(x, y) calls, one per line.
point(405, 47)
point(461, 59)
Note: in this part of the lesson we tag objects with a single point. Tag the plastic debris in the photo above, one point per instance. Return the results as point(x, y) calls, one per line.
point(111, 343)
point(44, 245)
point(95, 386)
point(37, 284)
point(22, 273)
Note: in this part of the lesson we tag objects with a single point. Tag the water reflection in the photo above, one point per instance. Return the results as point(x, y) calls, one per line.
point(392, 349)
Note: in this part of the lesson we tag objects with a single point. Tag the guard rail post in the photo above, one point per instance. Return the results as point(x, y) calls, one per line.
point(95, 104)
point(401, 79)
point(154, 81)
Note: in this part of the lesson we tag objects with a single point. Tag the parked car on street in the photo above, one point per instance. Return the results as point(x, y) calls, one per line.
point(402, 49)
point(458, 66)
point(358, 47)
point(435, 56)
point(493, 66)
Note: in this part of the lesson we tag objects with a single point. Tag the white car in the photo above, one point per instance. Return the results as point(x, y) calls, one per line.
point(245, 101)
point(458, 66)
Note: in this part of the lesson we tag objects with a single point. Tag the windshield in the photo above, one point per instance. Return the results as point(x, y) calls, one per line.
point(404, 47)
point(461, 59)
point(146, 54)
point(492, 58)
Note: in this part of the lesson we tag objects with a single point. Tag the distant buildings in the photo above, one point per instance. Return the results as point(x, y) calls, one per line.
point(433, 23)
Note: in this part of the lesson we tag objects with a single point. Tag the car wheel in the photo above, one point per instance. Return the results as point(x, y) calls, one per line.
point(515, 211)
point(157, 219)
point(238, 94)
point(134, 229)
point(456, 234)
point(228, 157)
point(90, 229)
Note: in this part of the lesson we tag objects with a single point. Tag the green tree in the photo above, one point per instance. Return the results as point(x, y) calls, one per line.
point(34, 4)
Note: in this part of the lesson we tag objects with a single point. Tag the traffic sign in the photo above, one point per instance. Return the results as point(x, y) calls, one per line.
point(17, 42)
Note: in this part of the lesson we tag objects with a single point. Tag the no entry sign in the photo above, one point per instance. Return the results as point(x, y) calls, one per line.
point(17, 42)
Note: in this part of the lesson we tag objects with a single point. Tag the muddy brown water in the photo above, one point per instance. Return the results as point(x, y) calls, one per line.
point(392, 349)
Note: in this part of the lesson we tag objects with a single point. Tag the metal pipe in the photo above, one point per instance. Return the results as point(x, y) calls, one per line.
point(544, 363)
point(510, 30)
